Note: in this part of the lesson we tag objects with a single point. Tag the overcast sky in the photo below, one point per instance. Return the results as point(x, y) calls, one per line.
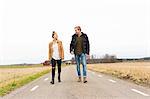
point(119, 27)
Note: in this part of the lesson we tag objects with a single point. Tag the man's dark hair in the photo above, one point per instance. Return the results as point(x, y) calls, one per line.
point(78, 27)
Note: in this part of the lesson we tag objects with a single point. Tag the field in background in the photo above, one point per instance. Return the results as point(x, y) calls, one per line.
point(21, 66)
point(137, 72)
point(12, 77)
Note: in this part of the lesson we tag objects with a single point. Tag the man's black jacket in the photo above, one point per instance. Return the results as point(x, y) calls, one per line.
point(86, 45)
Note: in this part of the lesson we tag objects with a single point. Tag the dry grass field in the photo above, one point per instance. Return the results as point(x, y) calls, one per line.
point(137, 72)
point(12, 77)
point(8, 75)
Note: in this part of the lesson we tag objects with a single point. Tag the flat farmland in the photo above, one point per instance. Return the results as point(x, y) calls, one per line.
point(137, 72)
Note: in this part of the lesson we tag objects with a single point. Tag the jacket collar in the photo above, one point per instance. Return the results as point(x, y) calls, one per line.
point(77, 35)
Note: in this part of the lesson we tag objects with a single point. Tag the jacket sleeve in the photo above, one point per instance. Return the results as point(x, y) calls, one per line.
point(50, 51)
point(87, 45)
point(62, 50)
point(71, 45)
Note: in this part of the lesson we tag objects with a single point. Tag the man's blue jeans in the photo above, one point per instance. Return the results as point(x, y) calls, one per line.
point(81, 59)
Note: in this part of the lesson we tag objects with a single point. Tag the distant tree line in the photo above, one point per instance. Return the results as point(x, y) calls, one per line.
point(104, 59)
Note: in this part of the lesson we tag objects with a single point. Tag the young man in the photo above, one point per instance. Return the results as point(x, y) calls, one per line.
point(56, 55)
point(80, 47)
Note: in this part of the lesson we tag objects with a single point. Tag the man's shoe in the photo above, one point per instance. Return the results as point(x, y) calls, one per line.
point(79, 79)
point(84, 80)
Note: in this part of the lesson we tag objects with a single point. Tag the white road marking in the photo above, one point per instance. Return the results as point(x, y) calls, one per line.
point(45, 79)
point(99, 75)
point(34, 88)
point(137, 91)
point(112, 81)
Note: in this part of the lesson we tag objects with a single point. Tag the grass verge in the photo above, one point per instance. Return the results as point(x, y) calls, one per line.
point(18, 83)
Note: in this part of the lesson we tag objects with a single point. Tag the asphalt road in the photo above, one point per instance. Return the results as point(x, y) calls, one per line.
point(99, 86)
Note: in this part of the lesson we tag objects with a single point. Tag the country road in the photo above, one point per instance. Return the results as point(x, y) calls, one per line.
point(99, 86)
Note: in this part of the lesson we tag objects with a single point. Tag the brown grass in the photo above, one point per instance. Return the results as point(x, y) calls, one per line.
point(8, 75)
point(137, 72)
